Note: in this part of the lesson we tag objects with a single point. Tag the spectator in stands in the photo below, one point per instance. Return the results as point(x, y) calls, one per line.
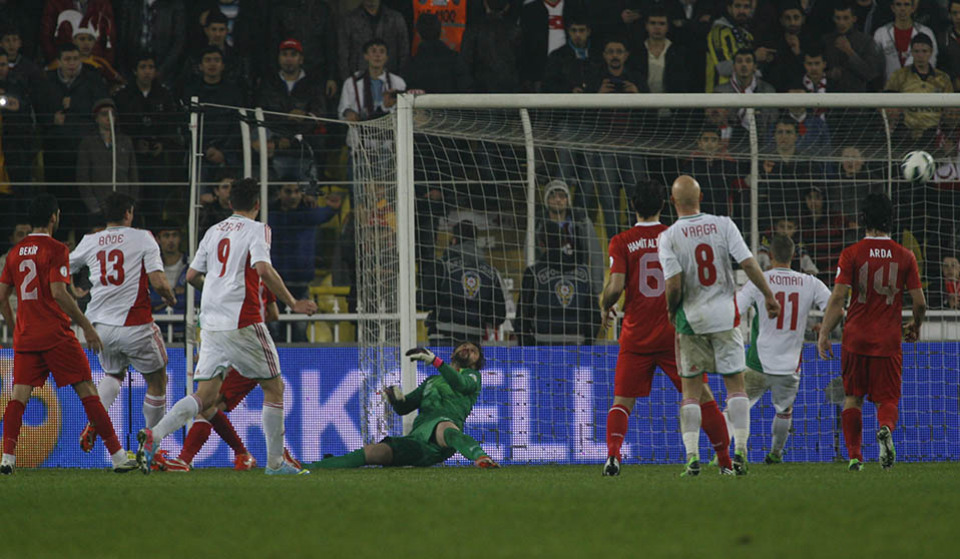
point(784, 172)
point(719, 177)
point(657, 58)
point(786, 226)
point(294, 219)
point(569, 67)
point(461, 291)
point(157, 26)
point(853, 60)
point(690, 21)
point(147, 113)
point(813, 133)
point(436, 68)
point(66, 114)
point(219, 208)
point(894, 39)
point(821, 231)
point(100, 162)
point(236, 67)
point(61, 18)
point(870, 15)
point(312, 24)
point(14, 14)
point(557, 300)
point(175, 265)
point(729, 36)
point(368, 22)
point(732, 136)
point(919, 128)
point(855, 180)
point(294, 91)
point(16, 133)
point(220, 133)
point(86, 38)
point(613, 170)
point(745, 81)
point(490, 49)
point(949, 292)
point(576, 228)
point(22, 67)
point(542, 32)
point(789, 42)
point(948, 41)
point(616, 18)
point(246, 21)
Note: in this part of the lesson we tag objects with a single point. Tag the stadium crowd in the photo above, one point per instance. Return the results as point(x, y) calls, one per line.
point(71, 68)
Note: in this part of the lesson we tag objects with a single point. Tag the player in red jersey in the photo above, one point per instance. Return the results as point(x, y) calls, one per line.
point(874, 271)
point(647, 338)
point(38, 268)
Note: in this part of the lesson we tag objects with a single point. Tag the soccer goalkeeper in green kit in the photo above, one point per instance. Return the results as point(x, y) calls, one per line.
point(444, 402)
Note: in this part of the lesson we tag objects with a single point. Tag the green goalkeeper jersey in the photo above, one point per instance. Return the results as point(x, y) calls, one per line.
point(450, 395)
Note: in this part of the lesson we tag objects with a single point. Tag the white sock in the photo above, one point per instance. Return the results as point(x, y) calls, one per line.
point(9, 460)
point(177, 417)
point(108, 389)
point(119, 457)
point(272, 419)
point(726, 416)
point(690, 426)
point(738, 408)
point(781, 430)
point(153, 409)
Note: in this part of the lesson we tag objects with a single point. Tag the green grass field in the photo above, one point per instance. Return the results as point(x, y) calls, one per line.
point(793, 510)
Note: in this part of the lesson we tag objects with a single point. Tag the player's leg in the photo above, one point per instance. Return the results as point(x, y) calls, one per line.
point(235, 388)
point(108, 388)
point(147, 354)
point(98, 417)
point(448, 435)
point(855, 387)
point(378, 454)
point(755, 384)
point(149, 439)
point(272, 420)
point(885, 389)
point(155, 400)
point(784, 391)
point(730, 363)
point(633, 378)
point(12, 422)
point(714, 424)
point(696, 357)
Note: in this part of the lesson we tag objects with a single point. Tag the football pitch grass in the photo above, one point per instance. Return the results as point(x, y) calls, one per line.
point(790, 510)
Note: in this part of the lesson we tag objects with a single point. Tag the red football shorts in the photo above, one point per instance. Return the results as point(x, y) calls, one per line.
point(235, 388)
point(878, 377)
point(634, 375)
point(66, 361)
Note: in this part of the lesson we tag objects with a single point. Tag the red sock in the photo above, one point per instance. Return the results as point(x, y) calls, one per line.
point(715, 426)
point(225, 429)
point(618, 421)
point(98, 417)
point(887, 415)
point(196, 437)
point(12, 420)
point(853, 432)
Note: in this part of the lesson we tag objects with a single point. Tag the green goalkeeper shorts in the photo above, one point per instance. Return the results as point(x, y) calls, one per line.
point(419, 448)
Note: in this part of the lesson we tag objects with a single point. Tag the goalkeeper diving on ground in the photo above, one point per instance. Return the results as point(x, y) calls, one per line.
point(444, 402)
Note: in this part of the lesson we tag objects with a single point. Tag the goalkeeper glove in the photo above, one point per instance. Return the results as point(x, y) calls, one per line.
point(425, 355)
point(393, 394)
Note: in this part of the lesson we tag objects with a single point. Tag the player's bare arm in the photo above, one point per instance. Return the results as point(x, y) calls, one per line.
point(272, 313)
point(195, 278)
point(273, 281)
point(611, 294)
point(158, 280)
point(831, 318)
point(5, 310)
point(756, 276)
point(674, 295)
point(912, 329)
point(65, 299)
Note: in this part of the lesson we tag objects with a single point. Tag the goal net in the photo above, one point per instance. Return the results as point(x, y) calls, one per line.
point(504, 207)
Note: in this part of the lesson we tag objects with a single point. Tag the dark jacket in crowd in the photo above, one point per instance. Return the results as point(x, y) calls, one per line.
point(85, 90)
point(534, 32)
point(436, 68)
point(167, 36)
point(857, 72)
point(220, 126)
point(307, 95)
point(236, 68)
point(358, 27)
point(676, 73)
point(463, 293)
point(312, 23)
point(153, 117)
point(17, 131)
point(489, 50)
point(565, 71)
point(293, 249)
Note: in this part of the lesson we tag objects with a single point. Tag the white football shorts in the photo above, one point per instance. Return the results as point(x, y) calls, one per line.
point(139, 346)
point(783, 388)
point(720, 352)
point(249, 350)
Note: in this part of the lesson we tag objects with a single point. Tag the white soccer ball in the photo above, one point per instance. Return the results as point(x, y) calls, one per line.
point(918, 166)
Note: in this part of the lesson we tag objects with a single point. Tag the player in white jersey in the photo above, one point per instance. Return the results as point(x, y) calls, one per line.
point(232, 259)
point(701, 301)
point(122, 260)
point(773, 360)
